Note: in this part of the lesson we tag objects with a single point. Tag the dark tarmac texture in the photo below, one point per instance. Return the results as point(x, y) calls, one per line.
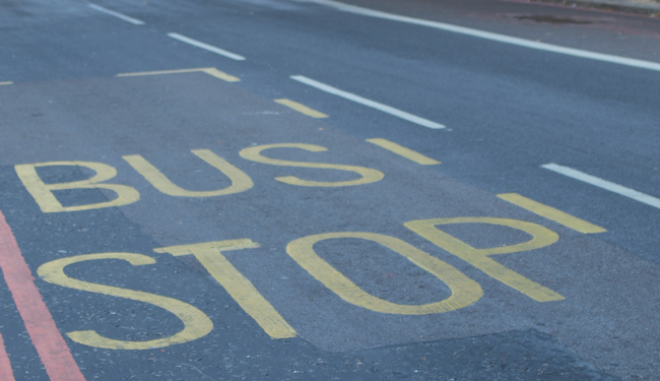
point(186, 226)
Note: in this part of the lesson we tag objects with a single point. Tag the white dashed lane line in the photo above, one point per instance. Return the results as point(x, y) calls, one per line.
point(205, 46)
point(367, 102)
point(603, 184)
point(116, 14)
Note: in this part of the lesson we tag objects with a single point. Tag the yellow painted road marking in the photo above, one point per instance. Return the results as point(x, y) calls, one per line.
point(551, 213)
point(403, 151)
point(464, 291)
point(6, 83)
point(240, 182)
point(196, 323)
point(368, 175)
point(208, 70)
point(43, 193)
point(480, 258)
point(301, 108)
point(209, 254)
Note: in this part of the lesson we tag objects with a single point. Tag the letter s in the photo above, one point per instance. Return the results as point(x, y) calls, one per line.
point(196, 323)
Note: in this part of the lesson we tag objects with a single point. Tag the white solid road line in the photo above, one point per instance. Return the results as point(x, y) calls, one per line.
point(604, 184)
point(490, 36)
point(208, 47)
point(368, 103)
point(116, 14)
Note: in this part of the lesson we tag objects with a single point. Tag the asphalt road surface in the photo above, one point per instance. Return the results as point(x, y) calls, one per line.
point(314, 190)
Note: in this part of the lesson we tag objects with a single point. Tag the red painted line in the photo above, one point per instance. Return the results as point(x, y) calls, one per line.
point(45, 336)
point(6, 374)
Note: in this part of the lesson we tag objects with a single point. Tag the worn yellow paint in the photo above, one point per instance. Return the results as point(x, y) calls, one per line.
point(196, 323)
point(480, 258)
point(403, 151)
point(367, 175)
point(209, 254)
point(301, 108)
point(6, 83)
point(43, 193)
point(464, 291)
point(208, 70)
point(220, 75)
point(551, 213)
point(240, 182)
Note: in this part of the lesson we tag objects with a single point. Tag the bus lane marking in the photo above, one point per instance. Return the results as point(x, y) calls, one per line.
point(43, 193)
point(480, 258)
point(205, 46)
point(6, 372)
point(208, 70)
point(116, 14)
point(39, 323)
point(367, 102)
point(603, 184)
point(240, 182)
point(551, 213)
point(196, 323)
point(367, 175)
point(403, 151)
point(464, 291)
point(240, 288)
point(301, 108)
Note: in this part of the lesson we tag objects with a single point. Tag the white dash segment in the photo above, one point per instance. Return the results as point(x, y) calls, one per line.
point(604, 184)
point(649, 65)
point(367, 102)
point(116, 14)
point(208, 47)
